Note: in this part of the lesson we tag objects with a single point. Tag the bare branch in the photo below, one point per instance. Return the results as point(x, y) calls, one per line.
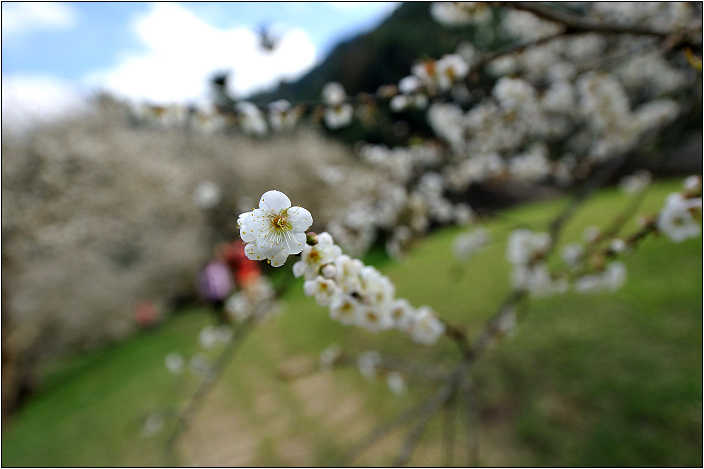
point(427, 415)
point(449, 427)
point(426, 406)
point(206, 385)
point(471, 420)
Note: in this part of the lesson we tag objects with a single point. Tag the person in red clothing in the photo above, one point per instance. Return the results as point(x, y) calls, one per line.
point(245, 271)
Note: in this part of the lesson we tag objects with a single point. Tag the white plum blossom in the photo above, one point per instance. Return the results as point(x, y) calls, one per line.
point(559, 98)
point(275, 230)
point(460, 13)
point(374, 318)
point(507, 322)
point(314, 257)
point(441, 73)
point(401, 313)
point(321, 288)
point(347, 273)
point(329, 356)
point(368, 362)
point(676, 219)
point(526, 25)
point(207, 337)
point(425, 327)
point(617, 245)
point(344, 308)
point(338, 116)
point(396, 383)
point(611, 278)
point(536, 279)
point(614, 276)
point(329, 271)
point(174, 363)
point(513, 93)
point(412, 95)
point(334, 94)
point(525, 245)
point(211, 336)
point(533, 165)
point(282, 116)
point(238, 307)
point(572, 254)
point(337, 113)
point(449, 70)
point(252, 120)
point(693, 183)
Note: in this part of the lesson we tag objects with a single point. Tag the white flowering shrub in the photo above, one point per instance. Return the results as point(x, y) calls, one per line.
point(568, 104)
point(579, 90)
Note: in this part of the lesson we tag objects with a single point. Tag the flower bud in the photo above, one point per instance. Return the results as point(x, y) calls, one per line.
point(329, 271)
point(312, 238)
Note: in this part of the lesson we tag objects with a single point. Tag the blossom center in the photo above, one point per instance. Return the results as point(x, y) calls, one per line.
point(280, 222)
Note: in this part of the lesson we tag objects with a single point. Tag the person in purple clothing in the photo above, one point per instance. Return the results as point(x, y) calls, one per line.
point(215, 283)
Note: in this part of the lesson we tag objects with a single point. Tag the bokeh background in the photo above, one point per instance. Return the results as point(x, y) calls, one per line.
point(102, 215)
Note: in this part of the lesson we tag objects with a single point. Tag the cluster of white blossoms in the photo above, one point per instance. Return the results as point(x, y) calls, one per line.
point(402, 205)
point(526, 250)
point(275, 230)
point(212, 336)
point(636, 182)
point(282, 116)
point(252, 121)
point(441, 74)
point(677, 218)
point(369, 365)
point(662, 16)
point(356, 294)
point(455, 14)
point(525, 25)
point(412, 95)
point(338, 113)
point(556, 110)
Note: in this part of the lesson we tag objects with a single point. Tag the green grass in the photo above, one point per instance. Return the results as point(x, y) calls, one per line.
point(589, 380)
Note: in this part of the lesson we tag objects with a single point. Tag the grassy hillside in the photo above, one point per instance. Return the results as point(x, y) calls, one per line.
point(604, 379)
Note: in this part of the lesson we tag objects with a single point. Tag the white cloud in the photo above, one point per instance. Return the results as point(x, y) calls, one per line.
point(181, 51)
point(31, 99)
point(22, 18)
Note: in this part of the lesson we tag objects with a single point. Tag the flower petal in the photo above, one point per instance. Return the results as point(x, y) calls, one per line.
point(300, 218)
point(279, 259)
point(252, 252)
point(293, 243)
point(299, 268)
point(275, 201)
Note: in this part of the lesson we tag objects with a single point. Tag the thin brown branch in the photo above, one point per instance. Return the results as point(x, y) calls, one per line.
point(471, 420)
point(449, 430)
point(426, 406)
point(206, 385)
point(625, 215)
point(429, 411)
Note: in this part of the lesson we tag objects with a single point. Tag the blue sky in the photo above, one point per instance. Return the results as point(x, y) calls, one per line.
point(55, 54)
